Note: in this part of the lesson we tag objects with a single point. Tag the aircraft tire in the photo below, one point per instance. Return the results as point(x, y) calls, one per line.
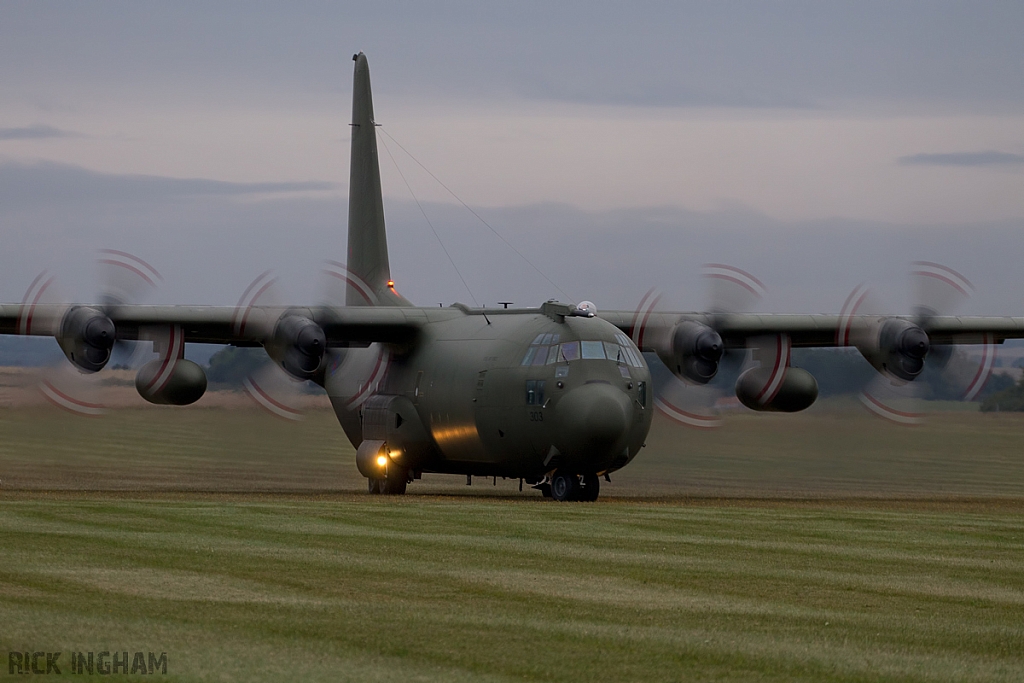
point(394, 484)
point(373, 486)
point(564, 486)
point(591, 488)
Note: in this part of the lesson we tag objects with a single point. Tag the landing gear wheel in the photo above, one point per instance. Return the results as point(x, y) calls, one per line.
point(564, 486)
point(591, 488)
point(395, 482)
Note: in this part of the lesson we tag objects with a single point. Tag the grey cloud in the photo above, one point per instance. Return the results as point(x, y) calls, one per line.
point(791, 53)
point(211, 246)
point(26, 185)
point(36, 132)
point(986, 158)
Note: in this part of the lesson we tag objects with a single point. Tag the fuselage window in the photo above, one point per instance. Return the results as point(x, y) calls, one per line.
point(641, 394)
point(534, 392)
point(539, 339)
point(592, 349)
point(528, 358)
point(570, 351)
point(562, 371)
point(614, 352)
point(541, 356)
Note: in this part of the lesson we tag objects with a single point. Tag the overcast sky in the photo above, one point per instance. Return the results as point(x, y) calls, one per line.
point(617, 145)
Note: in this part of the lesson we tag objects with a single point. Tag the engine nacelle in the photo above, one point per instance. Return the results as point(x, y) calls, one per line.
point(298, 346)
point(696, 351)
point(86, 337)
point(177, 384)
point(901, 349)
point(797, 390)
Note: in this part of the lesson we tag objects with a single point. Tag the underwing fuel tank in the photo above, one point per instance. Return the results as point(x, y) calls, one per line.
point(797, 391)
point(178, 383)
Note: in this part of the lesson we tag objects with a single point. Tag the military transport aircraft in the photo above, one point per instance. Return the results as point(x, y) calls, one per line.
point(556, 396)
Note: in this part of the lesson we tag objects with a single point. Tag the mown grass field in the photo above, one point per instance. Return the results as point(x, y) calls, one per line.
point(439, 588)
point(822, 453)
point(824, 546)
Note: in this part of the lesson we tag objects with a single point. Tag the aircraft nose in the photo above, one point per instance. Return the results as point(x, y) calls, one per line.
point(593, 422)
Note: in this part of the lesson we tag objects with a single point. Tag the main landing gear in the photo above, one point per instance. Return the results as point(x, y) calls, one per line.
point(579, 487)
point(393, 484)
point(562, 486)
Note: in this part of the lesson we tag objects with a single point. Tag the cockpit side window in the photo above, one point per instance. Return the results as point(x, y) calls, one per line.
point(541, 356)
point(632, 353)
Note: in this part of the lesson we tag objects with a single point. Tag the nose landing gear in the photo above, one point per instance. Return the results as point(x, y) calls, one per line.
point(566, 487)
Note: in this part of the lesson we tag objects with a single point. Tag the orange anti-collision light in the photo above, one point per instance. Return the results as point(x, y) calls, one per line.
point(391, 284)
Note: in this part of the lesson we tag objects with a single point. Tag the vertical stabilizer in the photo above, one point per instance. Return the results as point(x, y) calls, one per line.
point(367, 240)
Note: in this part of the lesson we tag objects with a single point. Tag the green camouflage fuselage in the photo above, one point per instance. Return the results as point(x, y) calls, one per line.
point(514, 393)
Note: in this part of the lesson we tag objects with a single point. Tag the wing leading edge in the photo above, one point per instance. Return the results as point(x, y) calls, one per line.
point(811, 330)
point(229, 325)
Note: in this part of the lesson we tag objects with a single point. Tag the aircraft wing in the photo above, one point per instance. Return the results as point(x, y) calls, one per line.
point(229, 324)
point(811, 330)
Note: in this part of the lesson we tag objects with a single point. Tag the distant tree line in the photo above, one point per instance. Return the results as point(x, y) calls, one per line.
point(843, 371)
point(1008, 399)
point(231, 365)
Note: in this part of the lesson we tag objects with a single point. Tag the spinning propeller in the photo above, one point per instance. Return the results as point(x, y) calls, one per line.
point(906, 350)
point(297, 346)
point(695, 354)
point(88, 338)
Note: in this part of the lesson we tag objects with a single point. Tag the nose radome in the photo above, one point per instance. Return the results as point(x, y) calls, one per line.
point(593, 421)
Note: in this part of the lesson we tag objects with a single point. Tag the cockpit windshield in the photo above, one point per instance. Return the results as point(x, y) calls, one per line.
point(545, 350)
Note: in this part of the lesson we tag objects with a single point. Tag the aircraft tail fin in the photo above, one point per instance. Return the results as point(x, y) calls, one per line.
point(367, 239)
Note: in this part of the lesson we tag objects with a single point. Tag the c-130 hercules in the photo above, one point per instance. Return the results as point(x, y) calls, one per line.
point(557, 396)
